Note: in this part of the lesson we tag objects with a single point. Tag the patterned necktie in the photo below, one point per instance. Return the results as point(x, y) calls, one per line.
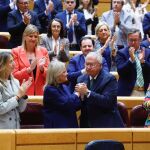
point(70, 32)
point(92, 83)
point(139, 79)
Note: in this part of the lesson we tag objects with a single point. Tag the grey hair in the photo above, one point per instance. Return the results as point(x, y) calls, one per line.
point(97, 56)
point(99, 25)
point(30, 29)
point(55, 68)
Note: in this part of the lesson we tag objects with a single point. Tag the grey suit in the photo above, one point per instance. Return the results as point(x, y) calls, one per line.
point(48, 44)
point(9, 106)
point(125, 25)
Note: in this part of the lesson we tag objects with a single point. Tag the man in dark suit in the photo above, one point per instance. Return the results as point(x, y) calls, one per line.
point(46, 10)
point(5, 7)
point(133, 66)
point(98, 90)
point(76, 66)
point(146, 24)
point(18, 20)
point(74, 23)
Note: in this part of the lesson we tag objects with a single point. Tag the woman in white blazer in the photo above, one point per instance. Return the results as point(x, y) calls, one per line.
point(12, 95)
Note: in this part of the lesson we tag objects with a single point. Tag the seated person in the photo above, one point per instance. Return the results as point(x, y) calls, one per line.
point(54, 41)
point(76, 66)
point(31, 60)
point(13, 98)
point(60, 105)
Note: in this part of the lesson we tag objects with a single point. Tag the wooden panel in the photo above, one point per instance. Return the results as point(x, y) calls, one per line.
point(7, 140)
point(141, 146)
point(47, 147)
point(45, 136)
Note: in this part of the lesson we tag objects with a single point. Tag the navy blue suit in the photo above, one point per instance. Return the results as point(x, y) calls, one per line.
point(80, 29)
point(145, 44)
point(39, 8)
point(99, 110)
point(4, 10)
point(146, 24)
point(127, 72)
point(16, 26)
point(60, 107)
point(76, 64)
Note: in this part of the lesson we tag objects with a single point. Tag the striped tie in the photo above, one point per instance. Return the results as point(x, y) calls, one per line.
point(139, 79)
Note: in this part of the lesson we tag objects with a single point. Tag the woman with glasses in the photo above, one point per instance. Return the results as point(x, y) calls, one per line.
point(13, 98)
point(54, 41)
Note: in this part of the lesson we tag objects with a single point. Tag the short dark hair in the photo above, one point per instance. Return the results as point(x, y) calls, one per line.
point(133, 30)
point(85, 38)
point(49, 30)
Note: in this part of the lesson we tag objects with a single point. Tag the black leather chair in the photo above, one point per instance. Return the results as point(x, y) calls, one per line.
point(104, 145)
point(32, 117)
point(138, 116)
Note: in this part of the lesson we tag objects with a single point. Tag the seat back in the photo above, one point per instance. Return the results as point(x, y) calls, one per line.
point(124, 113)
point(3, 42)
point(138, 116)
point(104, 145)
point(32, 117)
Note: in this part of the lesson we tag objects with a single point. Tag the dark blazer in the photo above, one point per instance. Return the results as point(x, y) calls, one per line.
point(99, 110)
point(60, 107)
point(76, 64)
point(80, 29)
point(145, 44)
point(4, 10)
point(146, 24)
point(127, 72)
point(39, 8)
point(16, 26)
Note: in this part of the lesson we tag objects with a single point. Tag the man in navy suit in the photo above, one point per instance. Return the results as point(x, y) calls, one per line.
point(74, 23)
point(47, 10)
point(98, 90)
point(128, 83)
point(18, 20)
point(76, 66)
point(146, 24)
point(5, 7)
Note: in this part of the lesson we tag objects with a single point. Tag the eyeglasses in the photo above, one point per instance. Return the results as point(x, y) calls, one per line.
point(23, 3)
point(133, 40)
point(90, 65)
point(69, 2)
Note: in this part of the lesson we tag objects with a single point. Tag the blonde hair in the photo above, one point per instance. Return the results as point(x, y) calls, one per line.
point(99, 25)
point(30, 29)
point(4, 57)
point(55, 68)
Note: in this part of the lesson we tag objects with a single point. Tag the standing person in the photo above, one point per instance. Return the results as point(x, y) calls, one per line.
point(5, 7)
point(60, 105)
point(133, 66)
point(119, 21)
point(46, 10)
point(98, 90)
point(18, 20)
point(76, 66)
point(31, 61)
point(73, 22)
point(90, 14)
point(13, 98)
point(54, 41)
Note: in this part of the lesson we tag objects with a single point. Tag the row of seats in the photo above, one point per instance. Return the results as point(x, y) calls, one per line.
point(32, 117)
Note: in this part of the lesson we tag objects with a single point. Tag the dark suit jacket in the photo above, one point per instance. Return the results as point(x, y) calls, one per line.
point(145, 44)
point(4, 10)
point(76, 64)
point(80, 29)
point(100, 108)
point(60, 107)
point(127, 72)
point(16, 26)
point(39, 8)
point(146, 24)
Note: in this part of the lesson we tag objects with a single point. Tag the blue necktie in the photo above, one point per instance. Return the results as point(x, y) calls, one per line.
point(139, 79)
point(70, 31)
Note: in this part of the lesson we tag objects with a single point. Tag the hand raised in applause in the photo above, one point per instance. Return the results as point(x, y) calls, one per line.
point(131, 53)
point(26, 18)
point(81, 88)
point(32, 66)
point(142, 55)
point(50, 7)
point(42, 62)
point(24, 87)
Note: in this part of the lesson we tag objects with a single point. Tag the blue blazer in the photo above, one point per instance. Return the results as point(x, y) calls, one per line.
point(76, 64)
point(127, 72)
point(146, 24)
point(39, 8)
point(99, 110)
point(80, 29)
point(16, 26)
point(4, 10)
point(60, 107)
point(145, 44)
